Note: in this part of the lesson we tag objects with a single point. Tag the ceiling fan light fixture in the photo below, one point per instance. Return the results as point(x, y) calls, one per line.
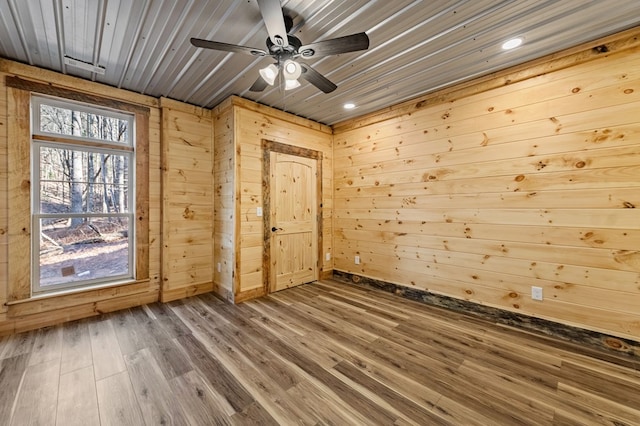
point(291, 84)
point(269, 74)
point(291, 70)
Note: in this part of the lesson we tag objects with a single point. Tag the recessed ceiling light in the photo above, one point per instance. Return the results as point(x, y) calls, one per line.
point(512, 44)
point(349, 105)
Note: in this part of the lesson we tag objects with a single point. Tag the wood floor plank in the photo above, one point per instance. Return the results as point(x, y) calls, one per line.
point(376, 308)
point(265, 308)
point(318, 374)
point(157, 335)
point(117, 401)
point(38, 395)
point(311, 369)
point(446, 342)
point(3, 342)
point(149, 324)
point(12, 371)
point(76, 347)
point(19, 344)
point(47, 345)
point(522, 408)
point(252, 415)
point(326, 406)
point(607, 408)
point(107, 357)
point(152, 390)
point(253, 377)
point(171, 359)
point(624, 391)
point(216, 374)
point(349, 310)
point(131, 335)
point(77, 399)
point(330, 320)
point(388, 358)
point(199, 402)
point(323, 357)
point(405, 407)
point(417, 392)
point(318, 342)
point(276, 371)
point(206, 306)
point(167, 320)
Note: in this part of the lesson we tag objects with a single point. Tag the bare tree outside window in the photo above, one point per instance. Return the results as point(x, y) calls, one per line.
point(82, 207)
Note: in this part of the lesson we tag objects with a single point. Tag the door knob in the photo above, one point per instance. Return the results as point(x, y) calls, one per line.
point(274, 229)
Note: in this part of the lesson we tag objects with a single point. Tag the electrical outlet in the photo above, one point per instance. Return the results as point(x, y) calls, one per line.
point(259, 211)
point(536, 293)
point(357, 260)
point(219, 267)
point(327, 256)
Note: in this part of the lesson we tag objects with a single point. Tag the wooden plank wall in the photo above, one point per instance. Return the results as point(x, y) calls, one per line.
point(187, 188)
point(253, 123)
point(224, 205)
point(480, 197)
point(39, 312)
point(4, 202)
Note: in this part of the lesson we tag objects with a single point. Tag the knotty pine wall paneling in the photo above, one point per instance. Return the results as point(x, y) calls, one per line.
point(4, 202)
point(187, 192)
point(254, 123)
point(535, 182)
point(224, 223)
point(28, 313)
point(155, 197)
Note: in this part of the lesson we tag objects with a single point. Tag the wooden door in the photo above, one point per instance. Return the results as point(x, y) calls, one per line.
point(293, 220)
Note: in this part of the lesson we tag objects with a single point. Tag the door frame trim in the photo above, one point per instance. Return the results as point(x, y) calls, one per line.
point(269, 146)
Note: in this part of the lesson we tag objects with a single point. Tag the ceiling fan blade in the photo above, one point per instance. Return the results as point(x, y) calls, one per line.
point(271, 11)
point(259, 85)
point(226, 47)
point(335, 46)
point(317, 79)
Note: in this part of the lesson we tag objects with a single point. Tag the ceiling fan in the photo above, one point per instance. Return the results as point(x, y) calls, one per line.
point(286, 49)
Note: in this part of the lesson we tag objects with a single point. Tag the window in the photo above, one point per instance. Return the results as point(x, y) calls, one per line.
point(83, 195)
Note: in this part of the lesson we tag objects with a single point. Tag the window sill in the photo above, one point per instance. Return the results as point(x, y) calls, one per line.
point(69, 298)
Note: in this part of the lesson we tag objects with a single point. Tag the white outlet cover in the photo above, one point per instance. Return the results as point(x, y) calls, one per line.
point(259, 211)
point(536, 293)
point(357, 260)
point(328, 256)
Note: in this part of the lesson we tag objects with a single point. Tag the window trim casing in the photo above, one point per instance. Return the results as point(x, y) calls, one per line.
point(19, 141)
point(36, 287)
point(37, 100)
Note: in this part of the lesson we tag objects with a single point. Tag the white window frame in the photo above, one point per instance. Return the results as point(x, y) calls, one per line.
point(39, 140)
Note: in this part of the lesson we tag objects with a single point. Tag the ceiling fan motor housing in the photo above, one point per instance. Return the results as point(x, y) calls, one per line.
point(291, 49)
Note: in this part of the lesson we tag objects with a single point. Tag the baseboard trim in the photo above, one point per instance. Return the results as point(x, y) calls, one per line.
point(72, 313)
point(188, 291)
point(600, 345)
point(326, 275)
point(249, 294)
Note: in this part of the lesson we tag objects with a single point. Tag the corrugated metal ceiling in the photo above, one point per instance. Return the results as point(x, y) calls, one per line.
point(417, 46)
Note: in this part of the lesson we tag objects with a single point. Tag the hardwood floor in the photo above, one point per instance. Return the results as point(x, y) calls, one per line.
point(324, 353)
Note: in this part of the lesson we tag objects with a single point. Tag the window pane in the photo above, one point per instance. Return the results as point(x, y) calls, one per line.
point(75, 181)
point(89, 125)
point(93, 250)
